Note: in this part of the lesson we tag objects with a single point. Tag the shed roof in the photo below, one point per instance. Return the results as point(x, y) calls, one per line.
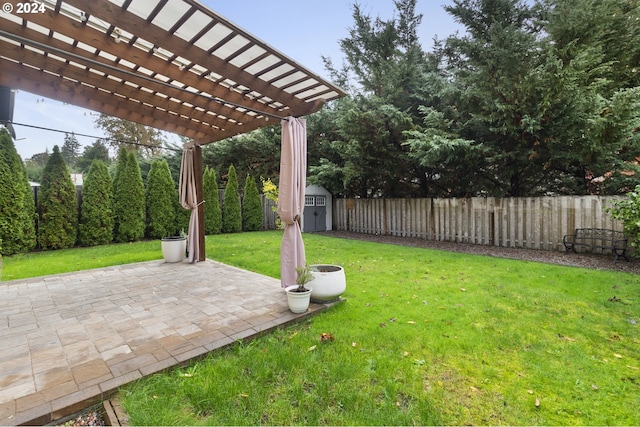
point(174, 65)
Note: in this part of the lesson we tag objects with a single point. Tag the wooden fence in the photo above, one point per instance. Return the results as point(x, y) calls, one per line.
point(531, 222)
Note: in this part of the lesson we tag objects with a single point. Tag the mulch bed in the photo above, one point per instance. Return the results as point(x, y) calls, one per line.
point(593, 261)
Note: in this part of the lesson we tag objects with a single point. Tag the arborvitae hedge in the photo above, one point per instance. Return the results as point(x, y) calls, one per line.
point(212, 211)
point(231, 217)
point(58, 206)
point(251, 206)
point(161, 196)
point(17, 209)
point(96, 211)
point(128, 199)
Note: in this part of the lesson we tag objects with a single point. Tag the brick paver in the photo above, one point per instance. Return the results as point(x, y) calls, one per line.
point(70, 340)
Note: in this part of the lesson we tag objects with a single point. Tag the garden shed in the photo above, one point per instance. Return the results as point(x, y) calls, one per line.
point(318, 212)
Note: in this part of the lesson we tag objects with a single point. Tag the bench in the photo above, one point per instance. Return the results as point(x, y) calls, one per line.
point(597, 238)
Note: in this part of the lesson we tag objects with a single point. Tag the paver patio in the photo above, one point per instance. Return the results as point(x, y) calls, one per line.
point(70, 340)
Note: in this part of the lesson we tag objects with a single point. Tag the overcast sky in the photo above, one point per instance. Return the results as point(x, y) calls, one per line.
point(304, 30)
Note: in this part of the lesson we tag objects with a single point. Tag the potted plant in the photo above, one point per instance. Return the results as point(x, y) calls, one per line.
point(174, 248)
point(329, 282)
point(299, 295)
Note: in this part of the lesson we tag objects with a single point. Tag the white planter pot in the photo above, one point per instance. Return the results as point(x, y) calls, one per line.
point(329, 282)
point(298, 301)
point(174, 248)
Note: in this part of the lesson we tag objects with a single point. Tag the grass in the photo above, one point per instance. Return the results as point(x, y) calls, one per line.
point(425, 337)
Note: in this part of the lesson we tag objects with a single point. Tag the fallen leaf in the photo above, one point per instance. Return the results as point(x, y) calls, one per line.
point(313, 347)
point(463, 289)
point(326, 336)
point(354, 344)
point(244, 395)
point(393, 319)
point(595, 387)
point(619, 356)
point(405, 354)
point(537, 402)
point(382, 325)
point(155, 397)
point(411, 322)
point(530, 391)
point(474, 389)
point(633, 367)
point(440, 383)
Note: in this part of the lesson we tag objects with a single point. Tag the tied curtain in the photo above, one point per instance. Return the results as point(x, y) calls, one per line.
point(293, 179)
point(189, 200)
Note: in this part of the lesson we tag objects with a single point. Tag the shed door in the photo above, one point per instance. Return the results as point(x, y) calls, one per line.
point(315, 213)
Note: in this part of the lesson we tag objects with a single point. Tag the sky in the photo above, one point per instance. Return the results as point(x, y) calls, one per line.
point(304, 30)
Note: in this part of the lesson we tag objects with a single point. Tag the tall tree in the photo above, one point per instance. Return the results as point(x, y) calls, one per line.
point(58, 206)
point(96, 211)
point(251, 206)
point(17, 210)
point(128, 198)
point(130, 134)
point(212, 211)
point(231, 212)
point(161, 198)
point(70, 149)
point(96, 151)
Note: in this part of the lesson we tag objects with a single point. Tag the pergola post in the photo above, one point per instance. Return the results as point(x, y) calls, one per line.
point(199, 175)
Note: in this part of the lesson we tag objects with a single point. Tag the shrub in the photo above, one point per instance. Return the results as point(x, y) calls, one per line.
point(17, 209)
point(58, 206)
point(212, 211)
point(251, 206)
point(161, 197)
point(232, 217)
point(628, 211)
point(128, 199)
point(96, 211)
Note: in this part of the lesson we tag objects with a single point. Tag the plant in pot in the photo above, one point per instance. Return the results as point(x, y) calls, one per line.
point(174, 248)
point(299, 295)
point(329, 282)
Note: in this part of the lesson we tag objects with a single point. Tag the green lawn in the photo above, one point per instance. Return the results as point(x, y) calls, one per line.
point(425, 337)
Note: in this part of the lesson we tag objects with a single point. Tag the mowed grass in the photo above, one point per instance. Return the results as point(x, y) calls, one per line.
point(424, 337)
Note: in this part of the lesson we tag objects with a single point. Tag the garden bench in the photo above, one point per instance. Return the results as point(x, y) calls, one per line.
point(597, 238)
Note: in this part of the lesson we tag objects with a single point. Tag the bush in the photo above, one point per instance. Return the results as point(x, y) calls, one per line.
point(128, 199)
point(96, 211)
point(212, 211)
point(161, 197)
point(17, 209)
point(628, 211)
point(251, 206)
point(232, 217)
point(58, 206)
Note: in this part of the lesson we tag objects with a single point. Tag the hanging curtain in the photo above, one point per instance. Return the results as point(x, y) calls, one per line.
point(293, 181)
point(189, 200)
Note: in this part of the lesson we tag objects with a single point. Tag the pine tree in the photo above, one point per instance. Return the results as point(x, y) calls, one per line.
point(212, 211)
point(96, 211)
point(128, 199)
point(232, 217)
point(70, 149)
point(17, 210)
point(161, 197)
point(251, 206)
point(58, 205)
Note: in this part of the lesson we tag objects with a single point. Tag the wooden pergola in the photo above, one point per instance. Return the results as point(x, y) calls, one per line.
point(174, 65)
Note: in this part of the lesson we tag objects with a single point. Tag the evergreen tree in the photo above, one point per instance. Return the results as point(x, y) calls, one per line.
point(70, 149)
point(161, 197)
point(251, 206)
point(232, 216)
point(96, 151)
point(212, 211)
point(17, 210)
point(128, 199)
point(96, 211)
point(58, 205)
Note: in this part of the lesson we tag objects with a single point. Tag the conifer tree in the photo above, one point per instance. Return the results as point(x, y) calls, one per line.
point(58, 205)
point(212, 211)
point(161, 197)
point(96, 211)
point(128, 199)
point(232, 217)
point(17, 210)
point(251, 206)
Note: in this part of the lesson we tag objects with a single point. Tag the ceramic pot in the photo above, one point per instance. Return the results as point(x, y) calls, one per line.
point(329, 282)
point(174, 248)
point(298, 301)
